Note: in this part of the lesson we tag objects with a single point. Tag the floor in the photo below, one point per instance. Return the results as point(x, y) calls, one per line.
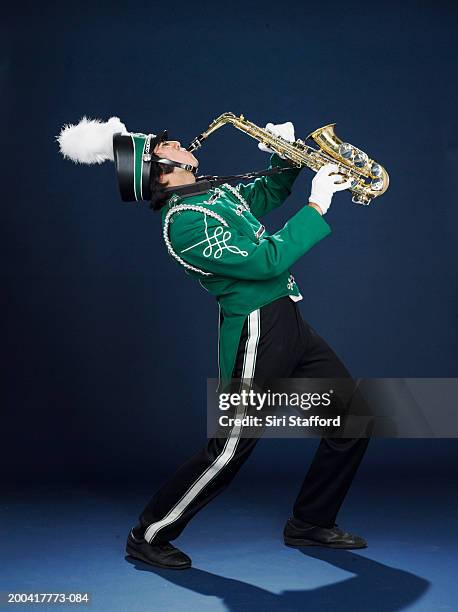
point(71, 539)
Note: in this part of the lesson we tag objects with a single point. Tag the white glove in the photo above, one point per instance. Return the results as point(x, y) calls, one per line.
point(325, 184)
point(284, 130)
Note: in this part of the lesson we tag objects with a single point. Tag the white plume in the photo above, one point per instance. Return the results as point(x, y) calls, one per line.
point(90, 141)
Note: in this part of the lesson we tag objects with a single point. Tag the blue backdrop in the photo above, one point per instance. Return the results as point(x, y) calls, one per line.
point(109, 343)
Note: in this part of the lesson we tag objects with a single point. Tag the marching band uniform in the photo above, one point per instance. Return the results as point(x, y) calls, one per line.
point(218, 238)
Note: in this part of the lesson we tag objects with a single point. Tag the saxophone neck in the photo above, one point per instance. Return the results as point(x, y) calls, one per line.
point(214, 125)
point(275, 143)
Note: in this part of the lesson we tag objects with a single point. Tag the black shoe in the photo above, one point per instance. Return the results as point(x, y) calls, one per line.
point(161, 554)
point(299, 534)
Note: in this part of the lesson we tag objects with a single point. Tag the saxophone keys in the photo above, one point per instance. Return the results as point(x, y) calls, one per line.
point(360, 198)
point(342, 171)
point(346, 150)
point(377, 184)
point(376, 170)
point(360, 159)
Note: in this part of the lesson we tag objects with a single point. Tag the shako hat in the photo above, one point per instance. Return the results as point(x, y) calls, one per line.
point(92, 141)
point(132, 158)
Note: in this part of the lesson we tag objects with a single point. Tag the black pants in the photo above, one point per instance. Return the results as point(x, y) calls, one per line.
point(275, 343)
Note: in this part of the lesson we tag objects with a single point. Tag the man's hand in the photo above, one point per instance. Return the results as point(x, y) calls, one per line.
point(284, 130)
point(325, 184)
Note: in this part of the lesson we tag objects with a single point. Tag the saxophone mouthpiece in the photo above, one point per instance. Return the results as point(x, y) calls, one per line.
point(195, 144)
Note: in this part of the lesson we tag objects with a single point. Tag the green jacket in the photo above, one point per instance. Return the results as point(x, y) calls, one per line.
point(218, 238)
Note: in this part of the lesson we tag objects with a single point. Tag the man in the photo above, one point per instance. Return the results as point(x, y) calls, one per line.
point(247, 270)
point(217, 237)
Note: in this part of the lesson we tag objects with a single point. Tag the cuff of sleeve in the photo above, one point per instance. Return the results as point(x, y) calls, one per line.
point(316, 221)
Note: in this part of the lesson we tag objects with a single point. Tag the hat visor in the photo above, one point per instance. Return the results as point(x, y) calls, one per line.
point(161, 137)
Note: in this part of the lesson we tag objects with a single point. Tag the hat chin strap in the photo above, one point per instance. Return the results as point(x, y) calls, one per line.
point(169, 162)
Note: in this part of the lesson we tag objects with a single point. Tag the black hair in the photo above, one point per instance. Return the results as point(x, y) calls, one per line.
point(158, 195)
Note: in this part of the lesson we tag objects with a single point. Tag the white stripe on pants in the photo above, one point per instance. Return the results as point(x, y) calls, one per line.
point(249, 365)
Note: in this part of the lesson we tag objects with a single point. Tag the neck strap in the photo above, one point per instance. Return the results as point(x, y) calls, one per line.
point(207, 182)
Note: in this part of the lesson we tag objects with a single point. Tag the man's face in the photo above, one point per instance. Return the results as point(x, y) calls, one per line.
point(172, 149)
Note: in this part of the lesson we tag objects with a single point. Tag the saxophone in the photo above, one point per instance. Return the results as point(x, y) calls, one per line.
point(369, 179)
